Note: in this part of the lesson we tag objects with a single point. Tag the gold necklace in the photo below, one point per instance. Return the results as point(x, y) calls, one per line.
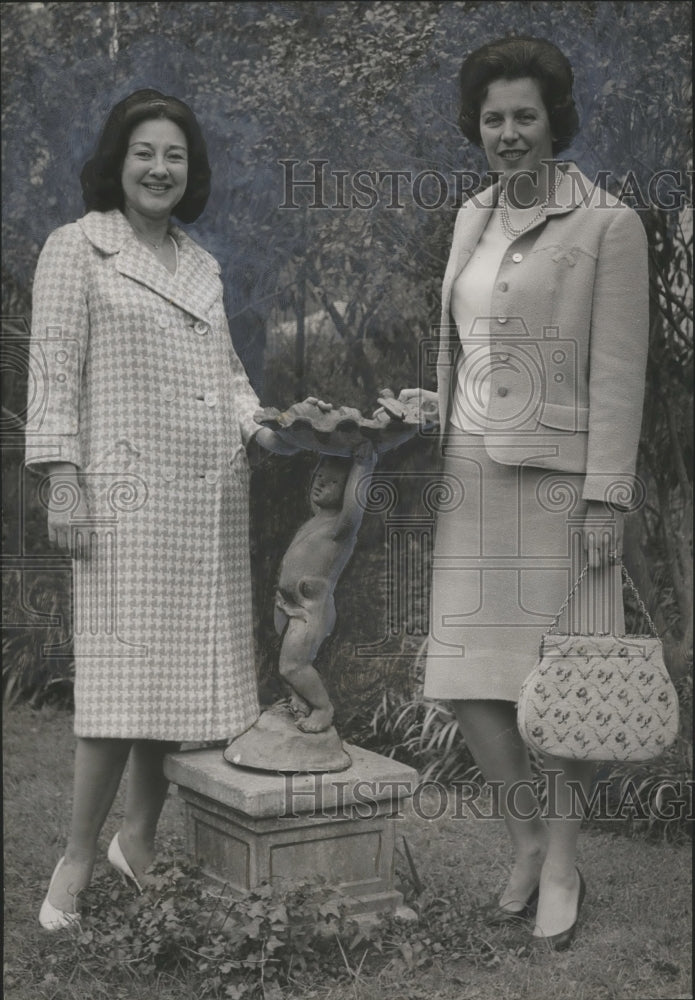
point(151, 243)
point(158, 246)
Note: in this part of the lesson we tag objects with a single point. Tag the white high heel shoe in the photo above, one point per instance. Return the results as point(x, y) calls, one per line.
point(50, 917)
point(118, 861)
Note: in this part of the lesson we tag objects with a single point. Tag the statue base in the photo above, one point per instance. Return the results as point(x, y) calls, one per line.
point(275, 743)
point(245, 827)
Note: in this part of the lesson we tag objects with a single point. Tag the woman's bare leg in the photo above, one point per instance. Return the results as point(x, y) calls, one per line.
point(145, 795)
point(99, 765)
point(490, 731)
point(559, 886)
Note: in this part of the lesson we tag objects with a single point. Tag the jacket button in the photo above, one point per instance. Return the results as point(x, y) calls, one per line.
point(517, 257)
point(211, 477)
point(200, 328)
point(211, 398)
point(168, 474)
point(502, 286)
point(502, 390)
point(168, 392)
point(502, 319)
point(164, 322)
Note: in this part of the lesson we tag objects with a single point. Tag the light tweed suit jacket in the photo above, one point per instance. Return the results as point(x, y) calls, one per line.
point(135, 381)
point(569, 323)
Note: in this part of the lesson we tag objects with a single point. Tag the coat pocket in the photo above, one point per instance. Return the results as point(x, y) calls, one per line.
point(239, 464)
point(565, 418)
point(111, 481)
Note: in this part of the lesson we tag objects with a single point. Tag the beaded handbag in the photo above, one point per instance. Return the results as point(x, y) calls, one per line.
point(599, 697)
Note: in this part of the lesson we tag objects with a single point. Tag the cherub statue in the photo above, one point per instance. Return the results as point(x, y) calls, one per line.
point(318, 553)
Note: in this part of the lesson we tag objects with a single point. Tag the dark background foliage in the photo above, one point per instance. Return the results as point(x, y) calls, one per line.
point(337, 302)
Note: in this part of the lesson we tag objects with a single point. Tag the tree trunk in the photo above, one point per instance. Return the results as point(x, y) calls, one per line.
point(300, 339)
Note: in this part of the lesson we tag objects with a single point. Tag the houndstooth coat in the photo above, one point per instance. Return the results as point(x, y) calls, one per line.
point(136, 383)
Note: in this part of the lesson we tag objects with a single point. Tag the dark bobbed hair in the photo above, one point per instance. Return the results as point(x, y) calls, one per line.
point(101, 175)
point(512, 59)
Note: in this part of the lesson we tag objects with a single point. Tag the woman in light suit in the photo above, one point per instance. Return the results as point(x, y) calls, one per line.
point(541, 361)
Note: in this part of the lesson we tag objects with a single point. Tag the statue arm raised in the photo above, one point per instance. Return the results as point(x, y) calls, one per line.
point(350, 518)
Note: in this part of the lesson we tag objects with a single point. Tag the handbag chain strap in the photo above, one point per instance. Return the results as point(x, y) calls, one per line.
point(640, 603)
point(633, 589)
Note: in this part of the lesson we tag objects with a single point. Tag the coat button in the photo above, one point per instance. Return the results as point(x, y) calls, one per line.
point(502, 390)
point(517, 257)
point(211, 398)
point(61, 357)
point(501, 319)
point(211, 477)
point(200, 328)
point(168, 474)
point(164, 322)
point(502, 286)
point(168, 392)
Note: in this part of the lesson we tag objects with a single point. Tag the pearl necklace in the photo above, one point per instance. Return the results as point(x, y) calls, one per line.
point(510, 231)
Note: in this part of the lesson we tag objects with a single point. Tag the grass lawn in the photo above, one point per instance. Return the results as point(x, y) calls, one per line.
point(634, 940)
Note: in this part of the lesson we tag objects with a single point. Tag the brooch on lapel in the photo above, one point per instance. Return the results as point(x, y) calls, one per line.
point(568, 256)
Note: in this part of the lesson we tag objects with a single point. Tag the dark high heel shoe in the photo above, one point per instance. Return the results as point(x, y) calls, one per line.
point(499, 916)
point(562, 941)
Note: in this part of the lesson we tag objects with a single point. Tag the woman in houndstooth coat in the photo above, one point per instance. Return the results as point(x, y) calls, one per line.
point(145, 415)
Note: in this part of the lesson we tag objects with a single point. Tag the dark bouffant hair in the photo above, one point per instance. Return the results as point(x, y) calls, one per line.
point(512, 59)
point(101, 175)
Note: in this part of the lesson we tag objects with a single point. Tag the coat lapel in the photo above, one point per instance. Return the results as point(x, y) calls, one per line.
point(194, 287)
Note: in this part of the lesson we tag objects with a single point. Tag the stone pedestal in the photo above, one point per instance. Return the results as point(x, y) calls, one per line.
point(244, 827)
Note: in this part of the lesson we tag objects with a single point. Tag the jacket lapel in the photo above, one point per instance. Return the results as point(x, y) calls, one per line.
point(470, 225)
point(475, 221)
point(194, 287)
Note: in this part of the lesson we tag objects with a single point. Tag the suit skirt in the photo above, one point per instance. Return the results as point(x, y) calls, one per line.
point(508, 549)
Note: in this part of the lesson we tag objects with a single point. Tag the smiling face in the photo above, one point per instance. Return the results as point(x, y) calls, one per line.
point(328, 485)
point(514, 127)
point(155, 169)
